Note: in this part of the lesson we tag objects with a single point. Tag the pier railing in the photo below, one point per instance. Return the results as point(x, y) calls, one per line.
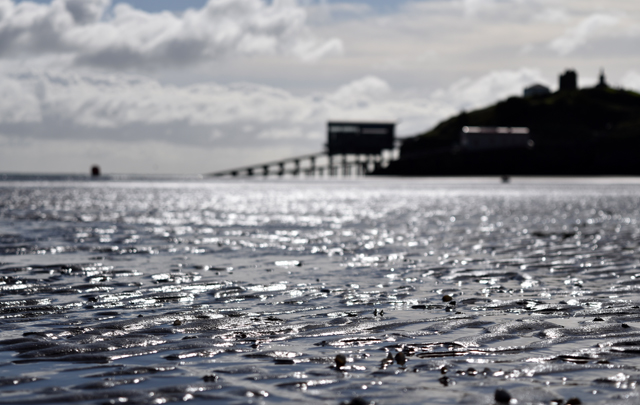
point(315, 164)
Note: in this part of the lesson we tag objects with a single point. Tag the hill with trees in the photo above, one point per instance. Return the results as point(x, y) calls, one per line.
point(574, 132)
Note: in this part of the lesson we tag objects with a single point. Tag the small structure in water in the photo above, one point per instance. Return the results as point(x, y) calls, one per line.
point(95, 171)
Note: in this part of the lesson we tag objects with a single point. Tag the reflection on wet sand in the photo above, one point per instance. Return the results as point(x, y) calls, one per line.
point(352, 292)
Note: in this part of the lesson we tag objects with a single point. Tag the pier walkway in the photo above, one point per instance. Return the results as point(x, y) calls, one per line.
point(315, 164)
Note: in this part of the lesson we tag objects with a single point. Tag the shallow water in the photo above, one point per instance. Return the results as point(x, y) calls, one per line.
point(245, 292)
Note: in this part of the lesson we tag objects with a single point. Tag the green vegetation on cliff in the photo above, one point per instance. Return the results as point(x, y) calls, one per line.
point(594, 115)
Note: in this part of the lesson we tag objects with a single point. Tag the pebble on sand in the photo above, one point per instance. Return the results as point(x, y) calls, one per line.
point(445, 381)
point(358, 401)
point(502, 397)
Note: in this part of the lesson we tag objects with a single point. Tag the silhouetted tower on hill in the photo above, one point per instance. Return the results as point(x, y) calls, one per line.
point(603, 82)
point(569, 80)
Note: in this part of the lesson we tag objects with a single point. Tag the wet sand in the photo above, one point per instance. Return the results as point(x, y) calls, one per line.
point(372, 291)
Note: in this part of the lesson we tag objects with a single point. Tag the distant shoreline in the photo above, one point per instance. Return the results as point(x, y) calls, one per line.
point(437, 179)
point(88, 177)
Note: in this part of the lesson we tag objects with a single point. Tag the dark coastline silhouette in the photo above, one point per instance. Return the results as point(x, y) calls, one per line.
point(591, 131)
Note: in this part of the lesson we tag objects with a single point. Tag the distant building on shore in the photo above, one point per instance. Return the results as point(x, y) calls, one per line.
point(487, 138)
point(536, 90)
point(569, 80)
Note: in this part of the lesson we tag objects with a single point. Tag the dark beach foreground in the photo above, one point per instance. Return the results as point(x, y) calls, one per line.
point(384, 291)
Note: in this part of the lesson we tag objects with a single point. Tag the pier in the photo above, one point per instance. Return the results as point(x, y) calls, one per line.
point(352, 149)
point(320, 164)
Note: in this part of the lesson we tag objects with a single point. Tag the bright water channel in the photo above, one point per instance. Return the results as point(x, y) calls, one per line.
point(245, 292)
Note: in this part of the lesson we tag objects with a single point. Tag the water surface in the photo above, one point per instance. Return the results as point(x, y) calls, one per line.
point(246, 291)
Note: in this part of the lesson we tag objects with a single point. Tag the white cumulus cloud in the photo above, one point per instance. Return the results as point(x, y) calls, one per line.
point(470, 93)
point(631, 80)
point(104, 104)
point(93, 33)
point(18, 104)
point(60, 108)
point(578, 36)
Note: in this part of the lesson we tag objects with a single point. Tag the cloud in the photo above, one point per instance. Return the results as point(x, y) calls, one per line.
point(254, 122)
point(18, 104)
point(123, 37)
point(124, 105)
point(86, 11)
point(281, 134)
point(577, 36)
point(322, 12)
point(501, 11)
point(102, 101)
point(359, 93)
point(226, 78)
point(470, 93)
point(552, 15)
point(631, 81)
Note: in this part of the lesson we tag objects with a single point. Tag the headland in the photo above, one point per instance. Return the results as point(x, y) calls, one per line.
point(590, 131)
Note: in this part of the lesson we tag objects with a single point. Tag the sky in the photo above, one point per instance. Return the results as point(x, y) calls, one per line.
point(196, 86)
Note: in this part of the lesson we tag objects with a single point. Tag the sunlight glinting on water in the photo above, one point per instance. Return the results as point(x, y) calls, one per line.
point(251, 291)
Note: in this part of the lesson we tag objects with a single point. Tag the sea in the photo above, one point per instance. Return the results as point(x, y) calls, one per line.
point(153, 290)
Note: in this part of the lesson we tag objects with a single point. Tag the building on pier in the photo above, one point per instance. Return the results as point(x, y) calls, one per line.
point(359, 138)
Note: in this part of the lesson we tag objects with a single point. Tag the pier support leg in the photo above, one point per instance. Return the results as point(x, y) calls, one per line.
point(377, 162)
point(312, 167)
point(345, 165)
point(265, 170)
point(330, 168)
point(281, 171)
